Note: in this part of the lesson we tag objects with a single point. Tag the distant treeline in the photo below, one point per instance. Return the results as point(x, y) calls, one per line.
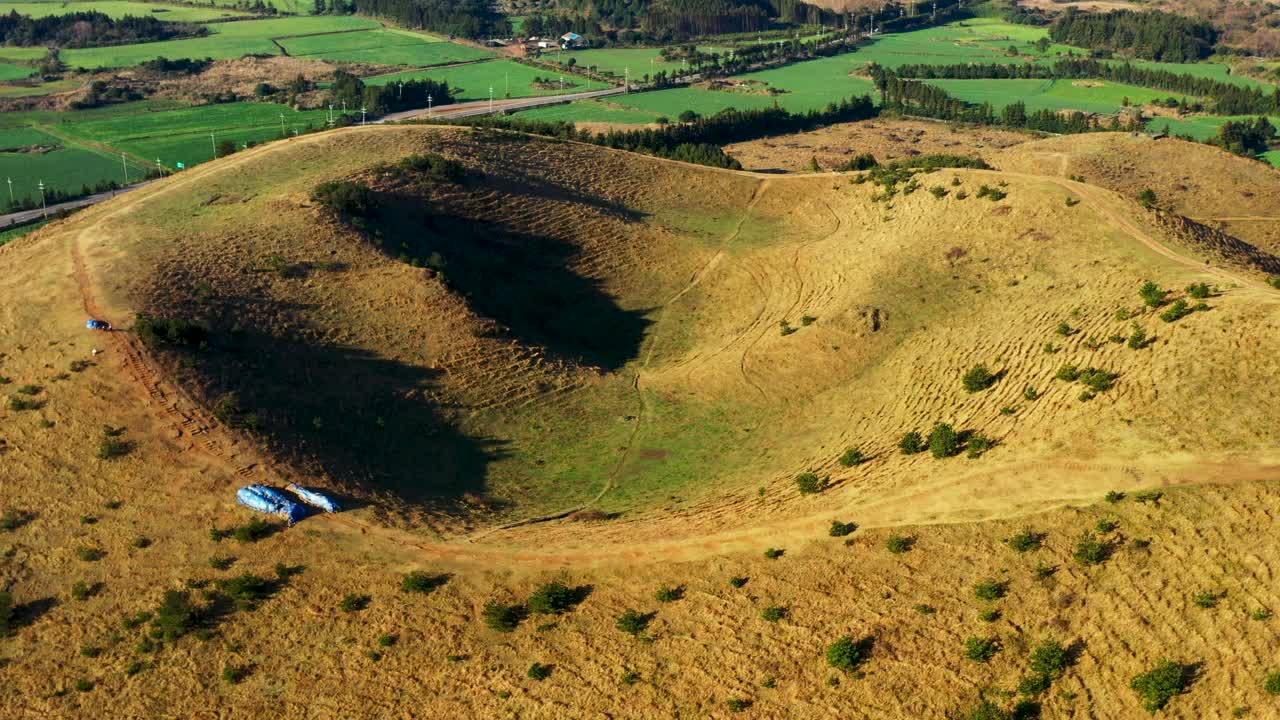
point(627, 22)
point(1227, 98)
point(382, 99)
point(89, 29)
point(913, 97)
point(465, 18)
point(1151, 35)
point(699, 140)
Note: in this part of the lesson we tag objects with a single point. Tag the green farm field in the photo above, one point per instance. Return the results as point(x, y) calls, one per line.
point(182, 135)
point(600, 111)
point(9, 71)
point(473, 80)
point(121, 8)
point(641, 61)
point(382, 47)
point(229, 40)
point(67, 168)
point(1087, 96)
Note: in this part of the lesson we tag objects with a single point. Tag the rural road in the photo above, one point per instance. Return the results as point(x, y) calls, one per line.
point(481, 107)
point(26, 216)
point(460, 110)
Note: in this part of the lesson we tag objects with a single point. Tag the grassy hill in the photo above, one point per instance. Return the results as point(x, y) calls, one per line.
point(563, 327)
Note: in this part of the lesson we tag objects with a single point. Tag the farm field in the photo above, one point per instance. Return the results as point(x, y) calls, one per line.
point(17, 91)
point(1087, 96)
point(182, 135)
point(9, 71)
point(121, 8)
point(473, 80)
point(641, 61)
point(68, 167)
point(229, 40)
point(382, 47)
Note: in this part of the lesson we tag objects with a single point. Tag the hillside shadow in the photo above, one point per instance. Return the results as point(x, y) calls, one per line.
point(523, 282)
point(368, 422)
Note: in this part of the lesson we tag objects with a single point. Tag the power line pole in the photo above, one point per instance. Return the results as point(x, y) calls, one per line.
point(159, 167)
point(283, 133)
point(490, 99)
point(362, 114)
point(626, 83)
point(428, 106)
point(214, 143)
point(330, 114)
point(43, 206)
point(11, 200)
point(124, 164)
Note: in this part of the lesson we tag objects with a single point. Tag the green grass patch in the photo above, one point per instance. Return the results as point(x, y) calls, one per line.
point(382, 47)
point(507, 78)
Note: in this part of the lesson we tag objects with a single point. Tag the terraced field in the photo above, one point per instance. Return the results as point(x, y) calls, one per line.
point(67, 166)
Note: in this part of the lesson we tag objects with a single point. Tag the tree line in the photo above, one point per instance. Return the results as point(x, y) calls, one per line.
point(913, 97)
point(473, 19)
point(1151, 35)
point(699, 140)
point(89, 29)
point(1227, 98)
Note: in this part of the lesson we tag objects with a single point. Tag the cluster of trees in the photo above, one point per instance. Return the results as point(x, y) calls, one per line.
point(474, 19)
point(1152, 35)
point(699, 139)
point(1228, 98)
point(181, 66)
point(102, 93)
point(381, 99)
point(89, 29)
point(913, 97)
point(685, 18)
point(1246, 137)
point(627, 22)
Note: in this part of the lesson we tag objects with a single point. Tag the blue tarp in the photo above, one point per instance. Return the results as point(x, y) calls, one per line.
point(97, 324)
point(313, 498)
point(269, 500)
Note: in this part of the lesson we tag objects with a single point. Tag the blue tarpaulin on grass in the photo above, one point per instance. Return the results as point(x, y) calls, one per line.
point(313, 498)
point(269, 500)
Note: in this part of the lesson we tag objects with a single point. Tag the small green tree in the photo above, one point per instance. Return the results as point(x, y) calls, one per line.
point(980, 649)
point(1272, 683)
point(503, 617)
point(1026, 540)
point(809, 483)
point(1152, 295)
point(633, 622)
point(1050, 658)
point(1148, 198)
point(552, 598)
point(990, 590)
point(1090, 550)
point(8, 621)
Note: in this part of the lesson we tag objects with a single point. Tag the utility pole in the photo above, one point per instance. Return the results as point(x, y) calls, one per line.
point(506, 87)
point(11, 200)
point(362, 114)
point(43, 206)
point(330, 114)
point(400, 92)
point(428, 106)
point(159, 167)
point(124, 164)
point(214, 143)
point(490, 99)
point(283, 132)
point(626, 83)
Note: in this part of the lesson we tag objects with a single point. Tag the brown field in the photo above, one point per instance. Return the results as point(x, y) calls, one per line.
point(835, 145)
point(601, 332)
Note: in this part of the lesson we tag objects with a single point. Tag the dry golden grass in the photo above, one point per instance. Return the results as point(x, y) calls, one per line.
point(834, 146)
point(712, 261)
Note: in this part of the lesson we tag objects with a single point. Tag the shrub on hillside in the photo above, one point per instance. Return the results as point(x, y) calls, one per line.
point(153, 332)
point(1152, 295)
point(1138, 338)
point(502, 617)
point(435, 167)
point(840, 529)
point(846, 654)
point(944, 441)
point(978, 378)
point(418, 581)
point(1090, 550)
point(1199, 291)
point(1026, 540)
point(344, 197)
point(852, 456)
point(1160, 684)
point(176, 616)
point(246, 590)
point(1272, 683)
point(990, 589)
point(809, 483)
point(1050, 658)
point(912, 443)
point(666, 594)
point(773, 613)
point(1178, 310)
point(978, 444)
point(553, 598)
point(8, 615)
point(633, 622)
point(980, 649)
point(898, 544)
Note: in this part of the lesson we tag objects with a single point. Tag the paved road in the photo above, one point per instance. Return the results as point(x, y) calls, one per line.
point(481, 107)
point(459, 110)
point(26, 216)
